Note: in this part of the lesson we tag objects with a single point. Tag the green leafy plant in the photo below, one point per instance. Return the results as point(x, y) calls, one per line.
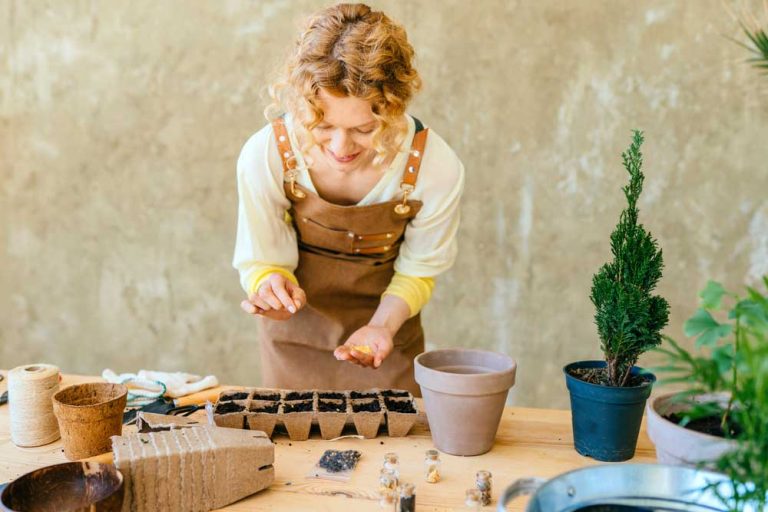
point(731, 358)
point(757, 38)
point(629, 317)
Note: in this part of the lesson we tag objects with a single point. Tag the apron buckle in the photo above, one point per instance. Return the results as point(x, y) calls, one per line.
point(290, 177)
point(404, 208)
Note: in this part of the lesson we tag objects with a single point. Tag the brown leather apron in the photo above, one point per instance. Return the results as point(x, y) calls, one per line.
point(346, 261)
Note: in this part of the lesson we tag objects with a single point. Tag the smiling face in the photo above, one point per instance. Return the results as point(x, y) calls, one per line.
point(345, 134)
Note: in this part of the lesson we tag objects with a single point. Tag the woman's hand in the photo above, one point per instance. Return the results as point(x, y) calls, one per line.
point(277, 298)
point(367, 347)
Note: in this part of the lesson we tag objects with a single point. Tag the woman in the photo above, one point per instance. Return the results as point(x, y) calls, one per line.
point(348, 210)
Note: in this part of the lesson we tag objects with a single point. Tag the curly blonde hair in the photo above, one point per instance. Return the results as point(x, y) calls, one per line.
point(350, 50)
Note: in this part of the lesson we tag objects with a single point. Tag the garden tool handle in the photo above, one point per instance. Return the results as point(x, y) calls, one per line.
point(102, 458)
point(520, 487)
point(208, 395)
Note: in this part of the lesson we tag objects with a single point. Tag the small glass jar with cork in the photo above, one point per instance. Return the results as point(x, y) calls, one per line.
point(474, 499)
point(432, 466)
point(483, 481)
point(407, 502)
point(392, 462)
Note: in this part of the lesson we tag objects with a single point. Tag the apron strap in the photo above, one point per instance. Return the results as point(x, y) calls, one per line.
point(411, 173)
point(287, 156)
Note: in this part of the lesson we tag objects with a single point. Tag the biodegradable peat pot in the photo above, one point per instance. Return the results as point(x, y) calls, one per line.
point(297, 418)
point(72, 486)
point(401, 415)
point(331, 416)
point(606, 420)
point(262, 416)
point(88, 415)
point(679, 445)
point(230, 414)
point(464, 394)
point(367, 416)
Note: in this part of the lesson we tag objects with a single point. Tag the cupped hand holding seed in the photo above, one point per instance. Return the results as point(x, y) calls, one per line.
point(367, 347)
point(277, 298)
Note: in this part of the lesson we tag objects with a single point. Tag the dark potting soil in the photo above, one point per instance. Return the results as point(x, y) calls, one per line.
point(400, 406)
point(600, 376)
point(299, 395)
point(332, 395)
point(372, 406)
point(228, 407)
point(708, 425)
point(269, 409)
point(335, 461)
point(323, 406)
point(357, 394)
point(234, 396)
point(298, 407)
point(270, 397)
point(395, 393)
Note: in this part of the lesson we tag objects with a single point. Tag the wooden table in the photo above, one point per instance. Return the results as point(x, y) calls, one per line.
point(529, 442)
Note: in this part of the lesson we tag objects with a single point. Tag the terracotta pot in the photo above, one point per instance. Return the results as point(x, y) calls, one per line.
point(88, 415)
point(679, 445)
point(73, 486)
point(464, 395)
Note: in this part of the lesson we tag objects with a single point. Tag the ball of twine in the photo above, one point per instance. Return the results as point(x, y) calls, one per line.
point(30, 393)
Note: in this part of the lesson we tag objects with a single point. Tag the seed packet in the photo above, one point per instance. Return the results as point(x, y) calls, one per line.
point(336, 465)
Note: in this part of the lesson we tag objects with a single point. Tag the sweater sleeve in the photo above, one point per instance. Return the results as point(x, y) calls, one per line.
point(430, 245)
point(415, 291)
point(265, 242)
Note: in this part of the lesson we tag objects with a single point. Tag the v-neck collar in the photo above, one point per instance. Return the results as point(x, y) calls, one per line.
point(397, 164)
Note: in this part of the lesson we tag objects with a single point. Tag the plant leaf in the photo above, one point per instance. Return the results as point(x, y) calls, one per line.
point(712, 295)
point(708, 330)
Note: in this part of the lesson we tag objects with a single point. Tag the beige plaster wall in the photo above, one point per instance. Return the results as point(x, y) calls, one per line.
point(120, 123)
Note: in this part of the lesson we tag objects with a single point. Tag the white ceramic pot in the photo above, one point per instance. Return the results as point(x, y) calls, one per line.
point(679, 445)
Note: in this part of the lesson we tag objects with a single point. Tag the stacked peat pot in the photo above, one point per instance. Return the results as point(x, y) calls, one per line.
point(608, 397)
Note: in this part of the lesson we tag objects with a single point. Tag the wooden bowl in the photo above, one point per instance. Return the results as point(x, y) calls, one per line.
point(68, 487)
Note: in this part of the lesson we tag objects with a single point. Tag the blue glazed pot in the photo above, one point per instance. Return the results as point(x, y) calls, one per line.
point(606, 420)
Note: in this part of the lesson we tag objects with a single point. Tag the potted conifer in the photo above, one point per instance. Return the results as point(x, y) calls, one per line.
point(608, 396)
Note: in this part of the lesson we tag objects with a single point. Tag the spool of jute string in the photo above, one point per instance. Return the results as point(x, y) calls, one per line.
point(30, 392)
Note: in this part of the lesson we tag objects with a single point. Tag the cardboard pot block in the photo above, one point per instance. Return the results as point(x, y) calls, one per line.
point(192, 469)
point(151, 422)
point(262, 415)
point(332, 422)
point(299, 423)
point(267, 408)
point(235, 419)
point(367, 423)
point(400, 423)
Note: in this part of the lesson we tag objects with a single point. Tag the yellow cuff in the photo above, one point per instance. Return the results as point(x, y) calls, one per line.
point(415, 291)
point(263, 273)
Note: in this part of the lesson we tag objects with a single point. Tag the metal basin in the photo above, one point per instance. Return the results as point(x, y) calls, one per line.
point(624, 488)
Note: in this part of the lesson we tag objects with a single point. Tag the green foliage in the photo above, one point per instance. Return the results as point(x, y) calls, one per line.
point(732, 358)
point(759, 46)
point(629, 318)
